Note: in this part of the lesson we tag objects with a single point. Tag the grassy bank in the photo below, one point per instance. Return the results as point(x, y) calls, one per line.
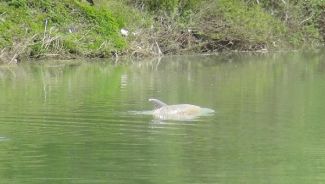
point(218, 25)
point(56, 29)
point(75, 28)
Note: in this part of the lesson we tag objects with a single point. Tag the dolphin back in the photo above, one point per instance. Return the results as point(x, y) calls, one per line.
point(177, 112)
point(157, 103)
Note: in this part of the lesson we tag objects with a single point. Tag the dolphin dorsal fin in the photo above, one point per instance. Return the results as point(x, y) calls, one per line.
point(157, 103)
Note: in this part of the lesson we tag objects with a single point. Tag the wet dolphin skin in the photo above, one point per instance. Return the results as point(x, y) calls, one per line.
point(177, 112)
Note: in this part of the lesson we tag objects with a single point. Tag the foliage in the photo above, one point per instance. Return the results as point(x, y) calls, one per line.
point(58, 27)
point(301, 18)
point(169, 6)
point(125, 15)
point(245, 25)
point(235, 22)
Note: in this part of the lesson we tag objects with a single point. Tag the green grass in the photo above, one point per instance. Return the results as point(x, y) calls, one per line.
point(75, 27)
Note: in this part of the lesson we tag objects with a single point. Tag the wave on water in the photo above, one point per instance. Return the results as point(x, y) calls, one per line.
point(207, 111)
point(141, 112)
point(176, 117)
point(3, 139)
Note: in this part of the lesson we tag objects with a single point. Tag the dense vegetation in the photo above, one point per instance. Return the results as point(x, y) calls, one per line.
point(71, 28)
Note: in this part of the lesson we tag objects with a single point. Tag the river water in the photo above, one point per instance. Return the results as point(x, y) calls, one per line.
point(73, 122)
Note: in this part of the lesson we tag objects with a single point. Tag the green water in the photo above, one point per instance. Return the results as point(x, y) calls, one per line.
point(71, 123)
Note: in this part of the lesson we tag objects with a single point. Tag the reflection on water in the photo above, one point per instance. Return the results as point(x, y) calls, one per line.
point(87, 122)
point(3, 139)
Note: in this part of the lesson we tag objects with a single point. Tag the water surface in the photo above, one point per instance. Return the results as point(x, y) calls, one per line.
point(70, 122)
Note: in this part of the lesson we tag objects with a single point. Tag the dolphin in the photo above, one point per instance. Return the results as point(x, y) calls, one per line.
point(177, 112)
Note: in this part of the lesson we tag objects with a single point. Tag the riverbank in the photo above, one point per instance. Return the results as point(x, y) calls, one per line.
point(70, 28)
